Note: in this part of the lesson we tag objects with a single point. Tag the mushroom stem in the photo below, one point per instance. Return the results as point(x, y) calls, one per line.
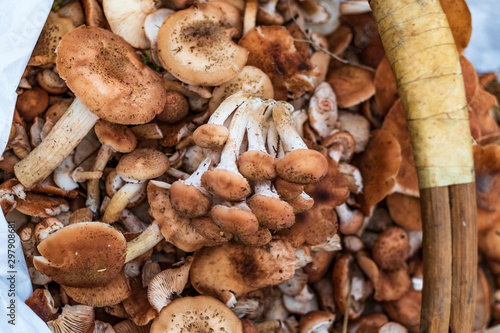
point(213, 133)
point(188, 197)
point(79, 175)
point(120, 200)
point(144, 242)
point(282, 115)
point(60, 142)
point(225, 181)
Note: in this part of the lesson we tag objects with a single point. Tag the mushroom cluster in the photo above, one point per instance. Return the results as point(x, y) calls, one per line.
point(236, 166)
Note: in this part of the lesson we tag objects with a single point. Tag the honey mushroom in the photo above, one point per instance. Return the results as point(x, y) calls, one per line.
point(103, 87)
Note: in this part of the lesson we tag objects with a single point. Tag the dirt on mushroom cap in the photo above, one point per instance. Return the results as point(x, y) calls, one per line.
point(108, 77)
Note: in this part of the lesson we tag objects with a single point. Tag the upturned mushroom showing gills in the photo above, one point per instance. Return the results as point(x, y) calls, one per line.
point(109, 81)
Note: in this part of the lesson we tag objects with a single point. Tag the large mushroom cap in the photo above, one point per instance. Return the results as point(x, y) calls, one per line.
point(108, 77)
point(195, 46)
point(85, 254)
point(196, 314)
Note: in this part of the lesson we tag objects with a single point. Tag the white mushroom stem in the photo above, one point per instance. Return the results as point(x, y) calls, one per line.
point(64, 137)
point(178, 173)
point(231, 150)
point(256, 132)
point(195, 178)
point(273, 143)
point(79, 175)
point(120, 200)
point(263, 187)
point(144, 242)
point(226, 108)
point(350, 220)
point(282, 115)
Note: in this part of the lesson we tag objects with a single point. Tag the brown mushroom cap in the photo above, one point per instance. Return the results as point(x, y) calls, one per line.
point(303, 166)
point(206, 227)
point(391, 249)
point(188, 200)
point(406, 310)
point(234, 219)
point(259, 238)
point(119, 137)
point(110, 294)
point(316, 321)
point(41, 205)
point(143, 164)
point(108, 77)
point(225, 184)
point(239, 269)
point(195, 46)
point(352, 84)
point(85, 254)
point(196, 314)
point(379, 166)
point(32, 103)
point(175, 228)
point(273, 50)
point(257, 165)
point(405, 211)
point(272, 213)
point(42, 303)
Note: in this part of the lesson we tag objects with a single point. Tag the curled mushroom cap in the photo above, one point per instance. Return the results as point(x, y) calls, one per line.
point(195, 46)
point(352, 84)
point(196, 314)
point(84, 254)
point(239, 269)
point(108, 77)
point(316, 321)
point(110, 294)
point(142, 164)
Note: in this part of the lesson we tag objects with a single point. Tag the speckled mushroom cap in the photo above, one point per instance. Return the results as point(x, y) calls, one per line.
point(196, 314)
point(195, 46)
point(85, 254)
point(142, 164)
point(119, 137)
point(104, 72)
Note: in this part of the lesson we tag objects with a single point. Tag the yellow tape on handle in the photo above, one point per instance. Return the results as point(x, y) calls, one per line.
point(422, 53)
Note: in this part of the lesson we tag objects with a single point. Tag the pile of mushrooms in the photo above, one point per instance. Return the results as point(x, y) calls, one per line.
point(237, 166)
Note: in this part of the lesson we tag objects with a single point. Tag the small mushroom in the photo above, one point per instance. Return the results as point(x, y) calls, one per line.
point(165, 284)
point(237, 218)
point(42, 303)
point(351, 84)
point(135, 167)
point(406, 310)
point(322, 111)
point(32, 103)
point(200, 313)
point(195, 46)
point(51, 82)
point(391, 249)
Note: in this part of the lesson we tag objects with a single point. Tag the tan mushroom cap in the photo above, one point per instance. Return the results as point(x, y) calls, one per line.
point(195, 46)
point(196, 314)
point(32, 103)
point(273, 50)
point(341, 142)
point(234, 219)
point(85, 254)
point(176, 108)
point(288, 190)
point(259, 238)
point(143, 164)
point(226, 184)
point(251, 80)
point(110, 294)
point(108, 76)
point(257, 165)
point(188, 200)
point(406, 310)
point(312, 227)
point(239, 269)
point(352, 84)
point(405, 211)
point(206, 227)
point(175, 228)
point(272, 213)
point(386, 90)
point(302, 166)
point(210, 136)
point(391, 249)
point(119, 137)
point(379, 166)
